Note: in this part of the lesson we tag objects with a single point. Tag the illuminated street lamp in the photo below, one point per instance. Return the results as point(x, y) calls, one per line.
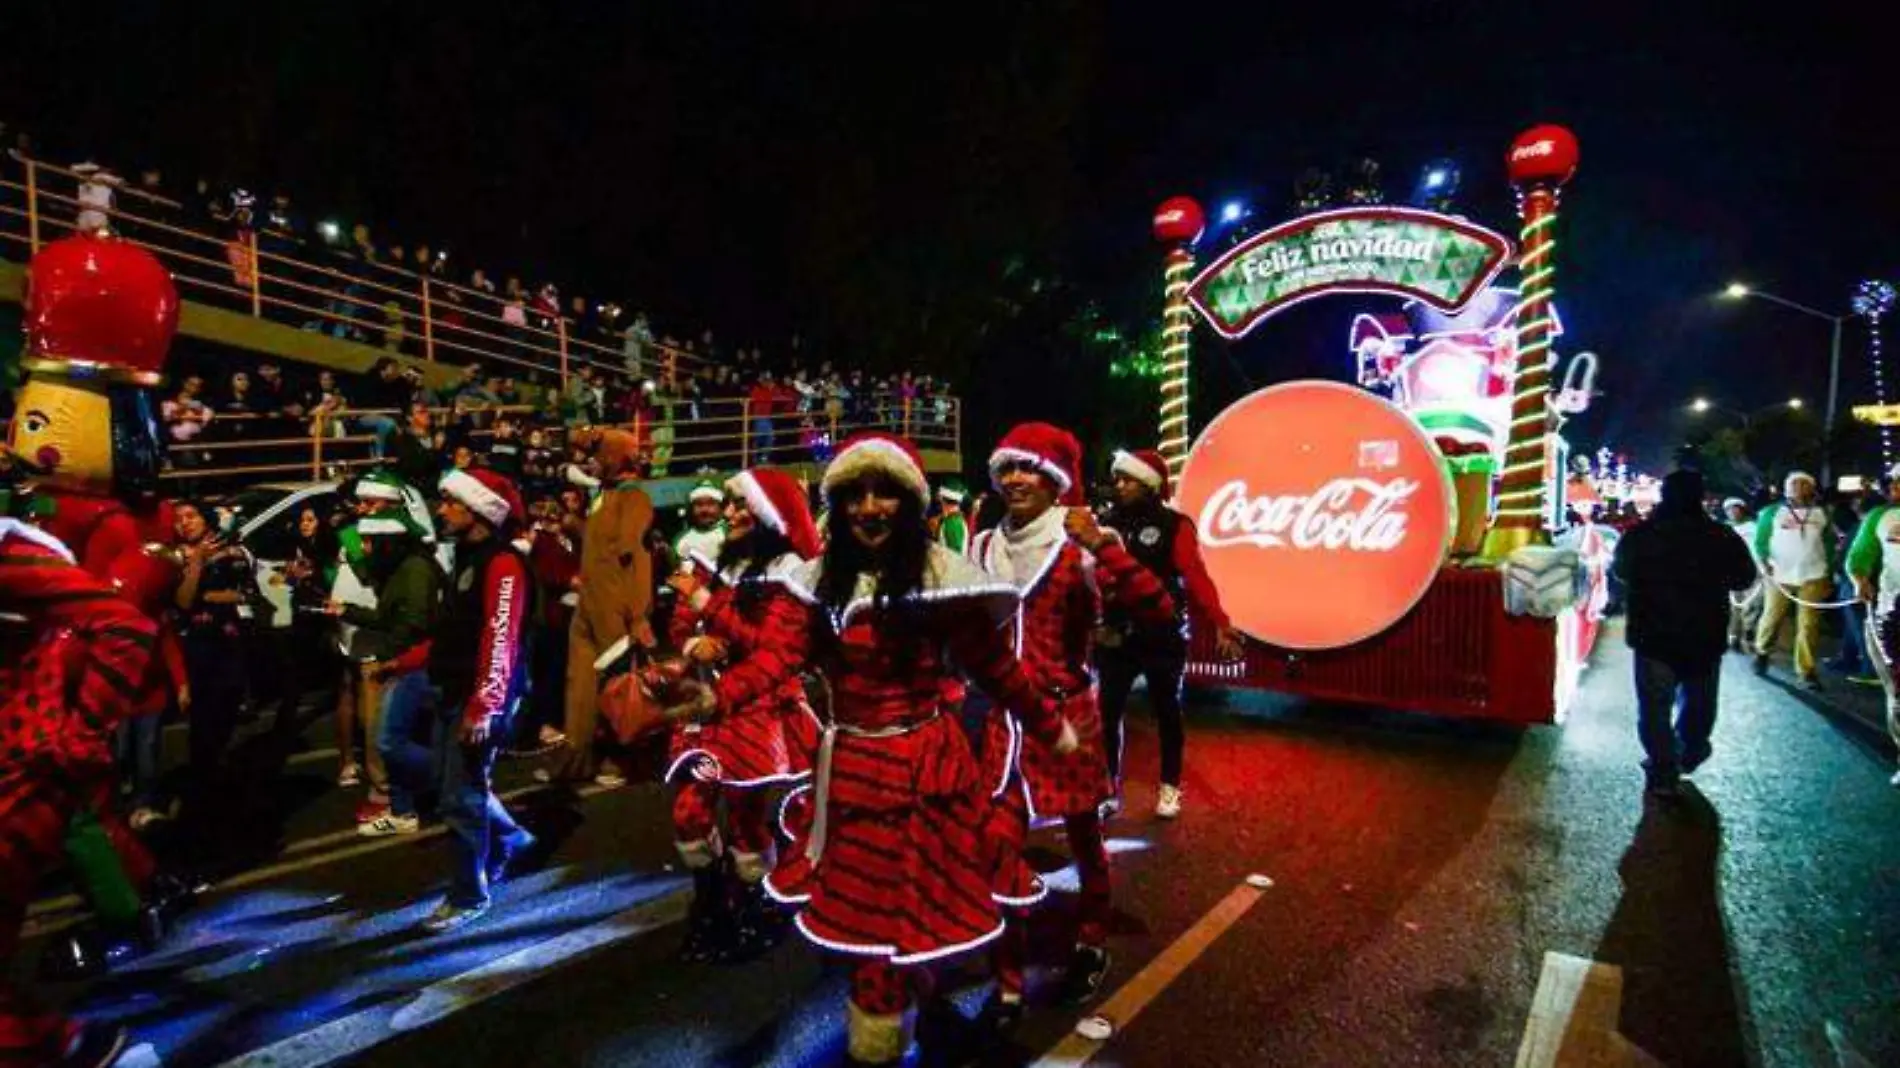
point(1741, 291)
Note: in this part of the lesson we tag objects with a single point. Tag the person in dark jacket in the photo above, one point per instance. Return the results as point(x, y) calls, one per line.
point(1679, 567)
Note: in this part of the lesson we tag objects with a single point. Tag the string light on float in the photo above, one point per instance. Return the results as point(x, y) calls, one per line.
point(1178, 223)
point(1539, 162)
point(1873, 300)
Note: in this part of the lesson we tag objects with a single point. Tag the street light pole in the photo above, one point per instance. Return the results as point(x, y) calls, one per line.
point(1737, 291)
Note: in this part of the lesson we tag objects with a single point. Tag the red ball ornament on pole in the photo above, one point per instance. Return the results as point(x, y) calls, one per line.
point(1179, 221)
point(1542, 155)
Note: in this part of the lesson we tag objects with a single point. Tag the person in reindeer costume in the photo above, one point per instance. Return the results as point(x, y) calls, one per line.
point(1064, 565)
point(894, 871)
point(71, 646)
point(100, 315)
point(741, 756)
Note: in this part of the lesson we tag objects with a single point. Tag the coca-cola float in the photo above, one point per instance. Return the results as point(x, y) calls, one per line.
point(1399, 542)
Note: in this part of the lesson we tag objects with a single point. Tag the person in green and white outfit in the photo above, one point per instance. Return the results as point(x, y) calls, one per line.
point(705, 531)
point(1796, 545)
point(951, 527)
point(1874, 564)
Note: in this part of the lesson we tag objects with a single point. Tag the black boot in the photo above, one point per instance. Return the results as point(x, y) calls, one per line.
point(758, 923)
point(708, 921)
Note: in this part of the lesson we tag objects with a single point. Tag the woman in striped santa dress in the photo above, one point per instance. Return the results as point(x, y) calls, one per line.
point(750, 749)
point(893, 871)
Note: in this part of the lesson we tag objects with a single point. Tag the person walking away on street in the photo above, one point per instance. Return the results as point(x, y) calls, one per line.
point(1796, 543)
point(477, 670)
point(1744, 613)
point(408, 581)
point(1874, 564)
point(1050, 549)
point(1679, 567)
point(1165, 542)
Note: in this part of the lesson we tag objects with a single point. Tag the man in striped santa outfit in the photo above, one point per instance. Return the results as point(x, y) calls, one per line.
point(1064, 565)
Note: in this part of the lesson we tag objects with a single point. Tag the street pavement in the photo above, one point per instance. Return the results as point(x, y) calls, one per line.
point(1427, 885)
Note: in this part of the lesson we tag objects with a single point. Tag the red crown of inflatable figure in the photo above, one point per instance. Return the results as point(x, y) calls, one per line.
point(1179, 221)
point(99, 307)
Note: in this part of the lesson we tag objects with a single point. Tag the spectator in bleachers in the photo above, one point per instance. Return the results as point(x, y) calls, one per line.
point(386, 393)
point(761, 399)
point(240, 406)
point(635, 342)
point(97, 189)
point(414, 448)
point(514, 310)
point(546, 307)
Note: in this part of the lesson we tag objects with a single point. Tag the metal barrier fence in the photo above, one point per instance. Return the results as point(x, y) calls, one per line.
point(272, 276)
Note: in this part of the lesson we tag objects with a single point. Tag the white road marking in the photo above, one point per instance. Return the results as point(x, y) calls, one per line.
point(1126, 1003)
point(352, 1034)
point(57, 914)
point(1574, 1015)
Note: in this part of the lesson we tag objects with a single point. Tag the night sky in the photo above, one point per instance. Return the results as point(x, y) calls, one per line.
point(896, 182)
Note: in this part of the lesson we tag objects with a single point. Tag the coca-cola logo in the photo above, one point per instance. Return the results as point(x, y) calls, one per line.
point(1323, 513)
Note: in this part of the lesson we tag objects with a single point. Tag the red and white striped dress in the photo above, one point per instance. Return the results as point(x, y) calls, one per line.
point(769, 740)
point(903, 873)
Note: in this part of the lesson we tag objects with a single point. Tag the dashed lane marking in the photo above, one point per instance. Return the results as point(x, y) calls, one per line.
point(1126, 1003)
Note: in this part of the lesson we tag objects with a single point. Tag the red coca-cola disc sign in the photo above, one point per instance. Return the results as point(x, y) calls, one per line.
point(1323, 513)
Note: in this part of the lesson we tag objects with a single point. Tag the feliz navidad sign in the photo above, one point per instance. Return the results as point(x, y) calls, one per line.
point(1405, 252)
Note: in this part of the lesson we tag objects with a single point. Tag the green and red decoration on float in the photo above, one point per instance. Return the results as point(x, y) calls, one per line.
point(1404, 252)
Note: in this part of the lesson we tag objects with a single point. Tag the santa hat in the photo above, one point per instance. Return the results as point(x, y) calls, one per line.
point(379, 486)
point(1787, 485)
point(952, 490)
point(873, 451)
point(777, 500)
point(392, 524)
point(1145, 466)
point(486, 493)
point(1735, 502)
point(706, 490)
point(1051, 450)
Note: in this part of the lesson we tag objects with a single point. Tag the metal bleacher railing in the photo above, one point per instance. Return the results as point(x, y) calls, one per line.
point(259, 272)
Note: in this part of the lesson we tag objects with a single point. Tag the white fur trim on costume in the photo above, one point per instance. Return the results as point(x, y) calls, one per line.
point(1012, 455)
point(1787, 484)
point(705, 493)
point(1127, 463)
point(486, 502)
point(780, 896)
point(747, 488)
point(1041, 891)
point(785, 803)
point(878, 455)
point(947, 576)
point(945, 951)
point(612, 653)
point(13, 528)
point(370, 489)
point(377, 524)
point(953, 496)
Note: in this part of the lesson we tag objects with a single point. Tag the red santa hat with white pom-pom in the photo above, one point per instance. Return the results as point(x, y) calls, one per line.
point(1051, 450)
point(487, 494)
point(1145, 466)
point(777, 500)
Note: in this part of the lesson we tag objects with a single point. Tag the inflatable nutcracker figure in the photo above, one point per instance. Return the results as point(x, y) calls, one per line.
point(100, 315)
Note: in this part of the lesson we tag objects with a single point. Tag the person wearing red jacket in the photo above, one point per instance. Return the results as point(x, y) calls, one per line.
point(1051, 550)
point(71, 648)
point(1165, 542)
point(741, 756)
point(894, 870)
point(476, 667)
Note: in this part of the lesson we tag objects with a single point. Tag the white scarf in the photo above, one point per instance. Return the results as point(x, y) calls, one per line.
point(1017, 554)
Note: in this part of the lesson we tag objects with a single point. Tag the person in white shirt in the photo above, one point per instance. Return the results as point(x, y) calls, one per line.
point(1874, 565)
point(97, 186)
point(1744, 613)
point(1795, 543)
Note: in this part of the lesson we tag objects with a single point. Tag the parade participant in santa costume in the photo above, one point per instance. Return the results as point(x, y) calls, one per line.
point(69, 646)
point(616, 598)
point(705, 533)
point(478, 673)
point(1050, 548)
point(1874, 565)
point(1165, 542)
point(742, 755)
point(894, 870)
point(99, 318)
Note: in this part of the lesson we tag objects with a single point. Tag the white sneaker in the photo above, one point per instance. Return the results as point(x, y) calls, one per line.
point(1168, 802)
point(388, 824)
